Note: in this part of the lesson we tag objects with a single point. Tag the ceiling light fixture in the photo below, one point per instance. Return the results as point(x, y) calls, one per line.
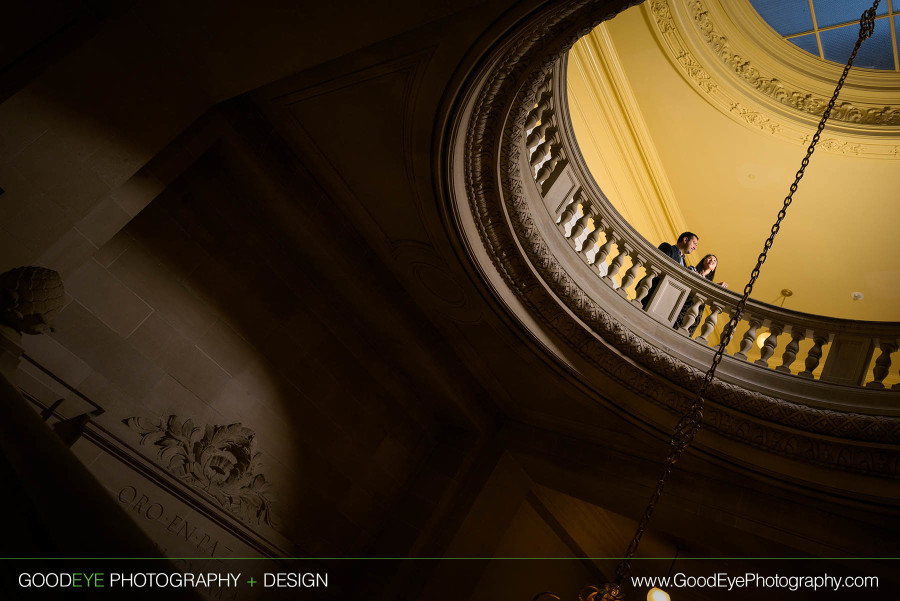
point(785, 293)
point(658, 594)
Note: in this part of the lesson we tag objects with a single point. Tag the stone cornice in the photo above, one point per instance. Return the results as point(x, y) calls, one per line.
point(841, 440)
point(769, 99)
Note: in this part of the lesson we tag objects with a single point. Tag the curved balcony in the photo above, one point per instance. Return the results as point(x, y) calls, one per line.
point(812, 347)
point(560, 257)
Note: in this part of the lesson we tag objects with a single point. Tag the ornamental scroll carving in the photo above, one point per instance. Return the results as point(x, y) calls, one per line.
point(696, 72)
point(222, 461)
point(805, 102)
point(773, 87)
point(830, 438)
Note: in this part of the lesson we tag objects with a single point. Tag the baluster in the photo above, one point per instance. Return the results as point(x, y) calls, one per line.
point(537, 134)
point(692, 314)
point(568, 213)
point(582, 222)
point(542, 151)
point(546, 170)
point(790, 351)
point(710, 324)
point(749, 338)
point(603, 252)
point(601, 224)
point(637, 261)
point(882, 364)
point(768, 348)
point(644, 285)
point(590, 242)
point(616, 265)
point(545, 98)
point(815, 354)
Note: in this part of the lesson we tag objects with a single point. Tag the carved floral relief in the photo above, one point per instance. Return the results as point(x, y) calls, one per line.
point(222, 461)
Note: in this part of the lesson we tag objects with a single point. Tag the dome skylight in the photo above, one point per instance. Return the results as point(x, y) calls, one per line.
point(829, 28)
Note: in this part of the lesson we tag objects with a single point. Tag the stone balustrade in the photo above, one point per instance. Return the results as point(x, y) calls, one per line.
point(636, 331)
point(830, 350)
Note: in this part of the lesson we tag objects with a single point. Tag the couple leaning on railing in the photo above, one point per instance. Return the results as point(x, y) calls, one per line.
point(686, 244)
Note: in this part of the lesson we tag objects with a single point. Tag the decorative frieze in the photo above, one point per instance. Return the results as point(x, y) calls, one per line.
point(776, 88)
point(221, 461)
point(673, 32)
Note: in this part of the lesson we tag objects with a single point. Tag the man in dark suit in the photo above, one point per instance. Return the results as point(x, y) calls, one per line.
point(686, 244)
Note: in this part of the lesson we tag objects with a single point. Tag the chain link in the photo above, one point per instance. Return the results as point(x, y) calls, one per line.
point(692, 420)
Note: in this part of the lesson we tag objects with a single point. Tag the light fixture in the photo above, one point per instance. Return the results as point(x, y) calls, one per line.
point(658, 594)
point(785, 293)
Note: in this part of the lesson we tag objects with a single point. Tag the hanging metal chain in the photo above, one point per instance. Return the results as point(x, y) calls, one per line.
point(691, 421)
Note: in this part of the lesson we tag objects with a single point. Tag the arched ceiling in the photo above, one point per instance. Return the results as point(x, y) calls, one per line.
point(695, 114)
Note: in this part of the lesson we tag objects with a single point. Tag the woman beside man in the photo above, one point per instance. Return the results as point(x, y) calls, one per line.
point(706, 268)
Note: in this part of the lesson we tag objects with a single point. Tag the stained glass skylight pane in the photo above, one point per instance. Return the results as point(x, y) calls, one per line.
point(806, 42)
point(875, 53)
point(785, 16)
point(837, 24)
point(835, 12)
point(837, 44)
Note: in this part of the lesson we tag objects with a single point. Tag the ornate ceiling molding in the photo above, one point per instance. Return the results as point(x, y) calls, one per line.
point(731, 81)
point(774, 88)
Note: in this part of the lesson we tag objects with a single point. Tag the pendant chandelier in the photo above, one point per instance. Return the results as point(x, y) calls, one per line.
point(691, 421)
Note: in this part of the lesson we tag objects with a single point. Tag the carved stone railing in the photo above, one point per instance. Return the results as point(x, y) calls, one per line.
point(836, 351)
point(558, 259)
